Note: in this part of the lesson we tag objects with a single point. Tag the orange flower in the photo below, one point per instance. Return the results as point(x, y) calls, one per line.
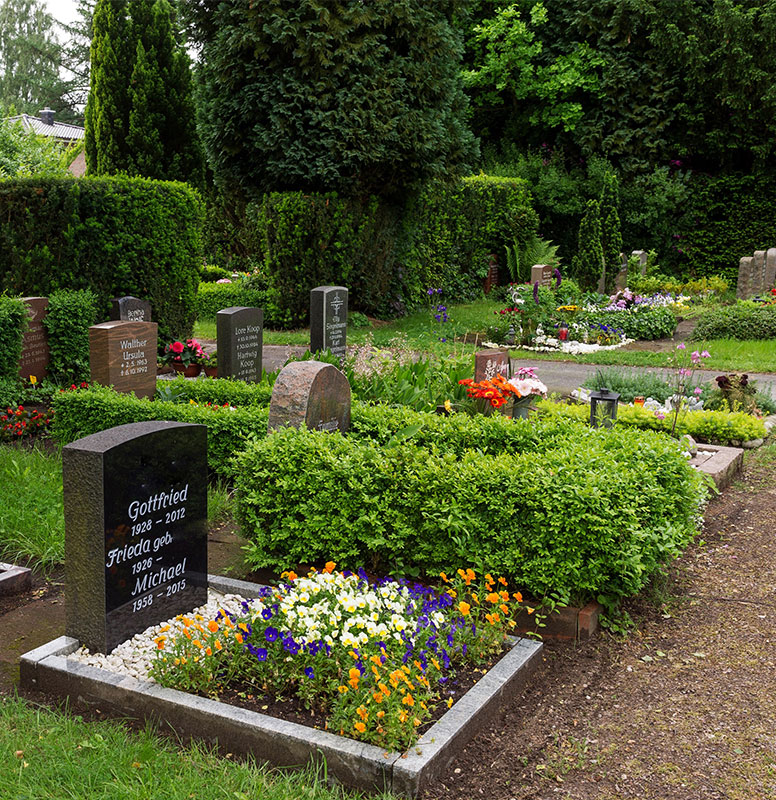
point(208, 651)
point(470, 574)
point(363, 713)
point(504, 596)
point(355, 677)
point(464, 608)
point(444, 577)
point(384, 689)
point(518, 596)
point(502, 580)
point(218, 645)
point(197, 643)
point(504, 608)
point(212, 626)
point(330, 566)
point(408, 700)
point(493, 597)
point(160, 642)
point(342, 689)
point(380, 714)
point(360, 727)
point(378, 696)
point(239, 638)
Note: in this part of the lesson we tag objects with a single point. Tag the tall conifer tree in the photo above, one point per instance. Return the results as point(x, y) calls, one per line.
point(611, 235)
point(158, 126)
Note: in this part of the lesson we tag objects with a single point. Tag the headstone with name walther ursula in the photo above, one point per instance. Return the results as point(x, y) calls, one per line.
point(240, 332)
point(123, 355)
point(130, 309)
point(542, 273)
point(489, 363)
point(329, 320)
point(310, 394)
point(135, 529)
point(35, 350)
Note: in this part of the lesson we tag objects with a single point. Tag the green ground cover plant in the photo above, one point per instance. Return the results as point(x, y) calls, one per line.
point(58, 754)
point(713, 427)
point(744, 320)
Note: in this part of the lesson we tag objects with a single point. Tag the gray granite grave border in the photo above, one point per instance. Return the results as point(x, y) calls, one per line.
point(282, 743)
point(14, 579)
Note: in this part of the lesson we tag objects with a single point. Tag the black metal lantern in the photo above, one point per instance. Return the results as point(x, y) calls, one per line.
point(603, 408)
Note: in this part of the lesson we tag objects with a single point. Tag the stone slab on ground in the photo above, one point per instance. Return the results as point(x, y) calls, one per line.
point(721, 463)
point(355, 764)
point(13, 579)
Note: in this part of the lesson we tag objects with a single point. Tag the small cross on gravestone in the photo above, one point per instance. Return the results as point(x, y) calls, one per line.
point(123, 355)
point(310, 394)
point(130, 309)
point(34, 360)
point(329, 320)
point(135, 502)
point(240, 332)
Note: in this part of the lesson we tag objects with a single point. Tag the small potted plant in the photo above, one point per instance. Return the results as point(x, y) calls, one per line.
point(185, 357)
point(210, 365)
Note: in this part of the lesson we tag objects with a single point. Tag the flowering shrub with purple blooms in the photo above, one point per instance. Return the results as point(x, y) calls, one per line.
point(373, 657)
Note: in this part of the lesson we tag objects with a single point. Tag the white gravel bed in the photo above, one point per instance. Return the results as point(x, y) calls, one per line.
point(135, 656)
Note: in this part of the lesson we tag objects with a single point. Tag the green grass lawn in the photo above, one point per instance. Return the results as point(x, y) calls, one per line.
point(32, 524)
point(418, 333)
point(49, 754)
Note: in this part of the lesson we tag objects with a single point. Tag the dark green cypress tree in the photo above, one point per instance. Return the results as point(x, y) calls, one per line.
point(162, 132)
point(588, 264)
point(356, 97)
point(156, 128)
point(611, 235)
point(106, 113)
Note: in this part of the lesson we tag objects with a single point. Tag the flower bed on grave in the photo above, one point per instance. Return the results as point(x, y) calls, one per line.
point(373, 661)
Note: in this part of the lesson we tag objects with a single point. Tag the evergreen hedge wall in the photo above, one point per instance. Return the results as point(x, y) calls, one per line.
point(115, 236)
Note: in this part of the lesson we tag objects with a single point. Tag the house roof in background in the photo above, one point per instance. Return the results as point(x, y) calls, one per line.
point(63, 131)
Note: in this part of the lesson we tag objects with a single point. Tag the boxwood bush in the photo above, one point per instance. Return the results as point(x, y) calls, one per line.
point(13, 323)
point(744, 320)
point(85, 411)
point(212, 297)
point(590, 517)
point(70, 315)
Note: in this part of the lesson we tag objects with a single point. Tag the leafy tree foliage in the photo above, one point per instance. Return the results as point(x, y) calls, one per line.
point(324, 95)
point(30, 57)
point(140, 113)
point(23, 154)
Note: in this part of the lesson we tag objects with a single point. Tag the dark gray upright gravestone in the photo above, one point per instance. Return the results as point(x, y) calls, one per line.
point(310, 394)
point(240, 332)
point(135, 529)
point(130, 309)
point(329, 320)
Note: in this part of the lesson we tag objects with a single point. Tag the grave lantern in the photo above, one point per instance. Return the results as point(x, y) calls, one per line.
point(603, 408)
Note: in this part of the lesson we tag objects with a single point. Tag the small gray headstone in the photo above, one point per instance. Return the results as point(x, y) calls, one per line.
point(489, 363)
point(744, 287)
point(621, 280)
point(240, 332)
point(312, 394)
point(542, 273)
point(329, 320)
point(34, 360)
point(770, 269)
point(642, 257)
point(135, 502)
point(130, 309)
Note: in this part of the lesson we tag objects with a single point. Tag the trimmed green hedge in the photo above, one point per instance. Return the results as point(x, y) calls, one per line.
point(13, 323)
point(714, 427)
point(212, 297)
point(70, 315)
point(591, 516)
point(85, 411)
point(116, 236)
point(453, 228)
point(744, 320)
point(218, 391)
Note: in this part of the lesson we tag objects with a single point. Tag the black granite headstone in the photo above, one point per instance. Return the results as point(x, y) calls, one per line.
point(329, 320)
point(130, 309)
point(240, 332)
point(135, 529)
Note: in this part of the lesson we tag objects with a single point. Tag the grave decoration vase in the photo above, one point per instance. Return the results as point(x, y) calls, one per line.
point(521, 407)
point(211, 372)
point(188, 370)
